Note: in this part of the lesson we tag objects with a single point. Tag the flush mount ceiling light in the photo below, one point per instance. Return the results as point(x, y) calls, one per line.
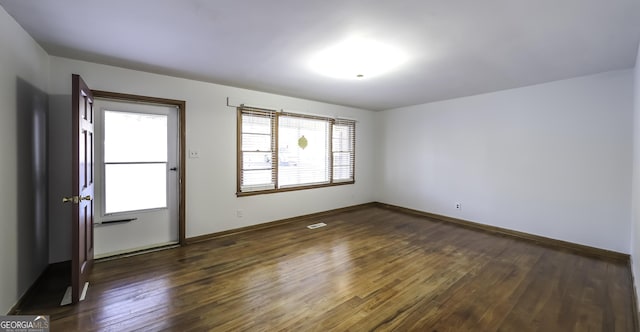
point(357, 58)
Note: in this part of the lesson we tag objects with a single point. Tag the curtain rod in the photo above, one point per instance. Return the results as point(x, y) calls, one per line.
point(253, 106)
point(286, 111)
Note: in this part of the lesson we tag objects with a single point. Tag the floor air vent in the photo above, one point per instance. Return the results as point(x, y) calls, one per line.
point(318, 225)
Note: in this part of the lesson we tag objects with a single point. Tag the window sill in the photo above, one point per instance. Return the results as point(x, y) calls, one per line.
point(273, 191)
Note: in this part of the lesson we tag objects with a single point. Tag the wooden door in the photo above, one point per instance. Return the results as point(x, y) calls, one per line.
point(83, 175)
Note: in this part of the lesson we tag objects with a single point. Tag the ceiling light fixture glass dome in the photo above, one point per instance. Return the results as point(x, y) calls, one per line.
point(357, 58)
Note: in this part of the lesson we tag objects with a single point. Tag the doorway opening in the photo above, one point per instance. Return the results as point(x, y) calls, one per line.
point(139, 173)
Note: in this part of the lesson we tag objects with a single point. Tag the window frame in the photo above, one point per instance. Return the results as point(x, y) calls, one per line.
point(274, 115)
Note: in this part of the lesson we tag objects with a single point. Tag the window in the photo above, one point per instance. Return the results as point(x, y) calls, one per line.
point(280, 151)
point(135, 161)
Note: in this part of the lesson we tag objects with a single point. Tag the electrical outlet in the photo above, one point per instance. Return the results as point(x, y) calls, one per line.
point(194, 153)
point(239, 213)
point(458, 206)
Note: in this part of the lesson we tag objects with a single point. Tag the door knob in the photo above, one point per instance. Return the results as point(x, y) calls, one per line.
point(71, 199)
point(75, 199)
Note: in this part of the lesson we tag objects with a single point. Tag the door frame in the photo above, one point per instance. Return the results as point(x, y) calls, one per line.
point(181, 106)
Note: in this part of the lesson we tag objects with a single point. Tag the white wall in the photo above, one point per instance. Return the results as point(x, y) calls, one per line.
point(552, 159)
point(635, 226)
point(211, 128)
point(23, 171)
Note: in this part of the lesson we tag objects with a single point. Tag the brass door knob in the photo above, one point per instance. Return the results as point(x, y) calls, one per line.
point(76, 199)
point(71, 199)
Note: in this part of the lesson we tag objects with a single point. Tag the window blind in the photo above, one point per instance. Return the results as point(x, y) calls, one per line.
point(343, 150)
point(289, 151)
point(256, 150)
point(303, 151)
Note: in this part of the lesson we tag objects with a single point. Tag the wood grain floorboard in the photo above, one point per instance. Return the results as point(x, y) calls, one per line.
point(371, 269)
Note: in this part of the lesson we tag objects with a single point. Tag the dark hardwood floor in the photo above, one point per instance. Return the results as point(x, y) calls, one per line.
point(371, 269)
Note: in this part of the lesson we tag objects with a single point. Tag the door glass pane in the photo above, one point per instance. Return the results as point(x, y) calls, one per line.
point(130, 187)
point(134, 137)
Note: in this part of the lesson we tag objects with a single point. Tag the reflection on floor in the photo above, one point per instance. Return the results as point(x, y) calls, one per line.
point(368, 269)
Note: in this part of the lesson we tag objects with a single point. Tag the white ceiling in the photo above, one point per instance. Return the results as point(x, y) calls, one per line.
point(456, 47)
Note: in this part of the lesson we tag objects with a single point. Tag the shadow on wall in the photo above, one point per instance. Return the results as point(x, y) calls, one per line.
point(32, 190)
point(60, 179)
